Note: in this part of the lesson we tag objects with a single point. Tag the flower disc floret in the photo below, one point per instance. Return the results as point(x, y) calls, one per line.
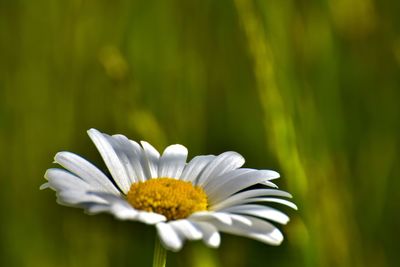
point(175, 199)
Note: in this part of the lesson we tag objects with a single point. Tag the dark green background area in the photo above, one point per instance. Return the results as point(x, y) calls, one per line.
point(308, 88)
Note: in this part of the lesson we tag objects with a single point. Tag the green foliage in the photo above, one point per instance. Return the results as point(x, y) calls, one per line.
point(309, 88)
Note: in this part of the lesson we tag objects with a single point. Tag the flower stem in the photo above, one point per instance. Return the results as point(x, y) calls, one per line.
point(160, 254)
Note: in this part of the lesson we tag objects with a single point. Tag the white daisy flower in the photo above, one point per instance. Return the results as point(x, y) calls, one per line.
point(185, 201)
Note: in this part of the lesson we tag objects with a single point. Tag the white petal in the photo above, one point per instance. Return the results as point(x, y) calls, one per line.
point(211, 237)
point(271, 199)
point(110, 157)
point(221, 164)
point(241, 218)
point(95, 208)
point(119, 212)
point(75, 197)
point(168, 236)
point(44, 186)
point(268, 183)
point(150, 217)
point(224, 218)
point(151, 159)
point(239, 183)
point(261, 212)
point(218, 181)
point(130, 153)
point(111, 199)
point(63, 180)
point(238, 198)
point(123, 212)
point(259, 229)
point(187, 229)
point(274, 238)
point(266, 199)
point(85, 170)
point(172, 161)
point(118, 206)
point(195, 167)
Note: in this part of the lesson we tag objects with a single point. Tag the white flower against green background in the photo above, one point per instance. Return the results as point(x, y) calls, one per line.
point(185, 201)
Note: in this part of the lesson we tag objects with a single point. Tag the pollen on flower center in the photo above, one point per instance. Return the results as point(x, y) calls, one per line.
point(172, 198)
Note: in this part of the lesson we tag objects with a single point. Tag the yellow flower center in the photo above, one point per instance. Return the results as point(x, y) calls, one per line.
point(172, 198)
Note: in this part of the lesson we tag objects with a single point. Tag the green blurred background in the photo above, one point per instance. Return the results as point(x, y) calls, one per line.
point(308, 88)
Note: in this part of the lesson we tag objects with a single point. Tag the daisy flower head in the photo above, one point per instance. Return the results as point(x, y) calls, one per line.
point(184, 201)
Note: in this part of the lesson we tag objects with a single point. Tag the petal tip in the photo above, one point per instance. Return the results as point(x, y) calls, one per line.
point(92, 130)
point(44, 186)
point(214, 241)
